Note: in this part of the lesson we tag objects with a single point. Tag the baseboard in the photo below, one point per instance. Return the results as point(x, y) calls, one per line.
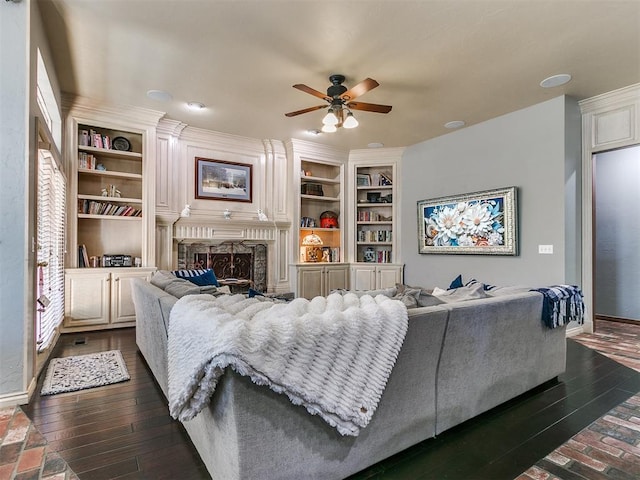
point(617, 319)
point(573, 331)
point(18, 398)
point(13, 399)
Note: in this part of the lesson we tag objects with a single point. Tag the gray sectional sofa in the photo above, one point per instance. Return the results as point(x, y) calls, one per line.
point(458, 360)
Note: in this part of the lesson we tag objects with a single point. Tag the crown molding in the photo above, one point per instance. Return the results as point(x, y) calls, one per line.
point(86, 107)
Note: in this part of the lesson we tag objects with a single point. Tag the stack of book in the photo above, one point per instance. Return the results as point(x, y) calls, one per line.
point(86, 160)
point(92, 207)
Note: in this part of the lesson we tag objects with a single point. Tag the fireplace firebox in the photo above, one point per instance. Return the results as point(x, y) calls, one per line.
point(229, 260)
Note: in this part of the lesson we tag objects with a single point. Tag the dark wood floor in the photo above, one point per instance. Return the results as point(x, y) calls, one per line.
point(124, 430)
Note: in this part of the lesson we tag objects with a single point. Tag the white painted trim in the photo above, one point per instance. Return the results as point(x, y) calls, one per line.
point(573, 331)
point(628, 96)
point(13, 399)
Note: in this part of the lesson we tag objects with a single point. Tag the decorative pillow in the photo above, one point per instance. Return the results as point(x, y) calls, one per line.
point(182, 288)
point(456, 283)
point(423, 296)
point(408, 296)
point(510, 290)
point(162, 278)
point(485, 286)
point(428, 299)
point(461, 294)
point(199, 277)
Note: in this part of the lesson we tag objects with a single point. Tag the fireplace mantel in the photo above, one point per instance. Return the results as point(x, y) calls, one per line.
point(202, 228)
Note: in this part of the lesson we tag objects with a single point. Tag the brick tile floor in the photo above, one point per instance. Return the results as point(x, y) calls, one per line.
point(609, 448)
point(24, 453)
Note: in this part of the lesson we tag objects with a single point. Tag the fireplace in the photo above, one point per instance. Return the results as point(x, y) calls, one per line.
point(243, 261)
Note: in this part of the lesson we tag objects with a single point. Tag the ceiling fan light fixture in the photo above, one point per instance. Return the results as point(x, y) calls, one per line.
point(329, 128)
point(350, 121)
point(330, 118)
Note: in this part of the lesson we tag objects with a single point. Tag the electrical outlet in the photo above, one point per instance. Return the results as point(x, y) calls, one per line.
point(545, 249)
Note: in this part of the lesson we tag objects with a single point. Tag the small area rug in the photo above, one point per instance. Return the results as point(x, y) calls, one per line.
point(69, 374)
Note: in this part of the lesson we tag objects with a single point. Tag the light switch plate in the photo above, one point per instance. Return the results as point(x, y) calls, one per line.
point(545, 249)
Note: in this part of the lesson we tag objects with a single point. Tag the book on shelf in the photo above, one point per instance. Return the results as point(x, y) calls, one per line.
point(373, 236)
point(86, 160)
point(83, 257)
point(96, 140)
point(92, 207)
point(83, 138)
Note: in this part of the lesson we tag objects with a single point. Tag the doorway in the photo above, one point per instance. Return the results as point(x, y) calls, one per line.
point(616, 234)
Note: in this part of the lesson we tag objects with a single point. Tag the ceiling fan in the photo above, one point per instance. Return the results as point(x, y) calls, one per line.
point(339, 99)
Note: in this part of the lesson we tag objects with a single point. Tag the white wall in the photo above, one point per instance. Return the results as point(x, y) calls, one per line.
point(617, 233)
point(14, 148)
point(536, 149)
point(21, 34)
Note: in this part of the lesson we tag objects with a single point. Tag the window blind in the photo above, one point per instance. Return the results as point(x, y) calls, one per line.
point(51, 200)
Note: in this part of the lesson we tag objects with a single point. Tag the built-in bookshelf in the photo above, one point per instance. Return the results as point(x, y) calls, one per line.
point(110, 211)
point(320, 211)
point(373, 249)
point(374, 214)
point(109, 193)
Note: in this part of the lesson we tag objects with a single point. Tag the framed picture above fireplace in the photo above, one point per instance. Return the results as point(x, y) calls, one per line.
point(221, 180)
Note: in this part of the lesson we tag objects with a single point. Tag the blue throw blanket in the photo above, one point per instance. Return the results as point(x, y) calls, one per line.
point(562, 304)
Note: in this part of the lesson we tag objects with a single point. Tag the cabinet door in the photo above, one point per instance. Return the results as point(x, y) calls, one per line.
point(86, 299)
point(310, 282)
point(122, 309)
point(388, 276)
point(363, 277)
point(336, 277)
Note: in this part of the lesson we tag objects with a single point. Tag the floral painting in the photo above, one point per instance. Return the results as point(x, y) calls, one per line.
point(480, 223)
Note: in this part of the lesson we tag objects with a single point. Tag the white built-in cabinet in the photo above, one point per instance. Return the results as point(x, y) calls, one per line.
point(109, 156)
point(100, 297)
point(373, 277)
point(320, 280)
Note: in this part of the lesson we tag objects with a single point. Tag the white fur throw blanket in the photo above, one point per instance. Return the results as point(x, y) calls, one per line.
point(333, 355)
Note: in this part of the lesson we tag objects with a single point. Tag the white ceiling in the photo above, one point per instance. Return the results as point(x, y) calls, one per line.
point(436, 61)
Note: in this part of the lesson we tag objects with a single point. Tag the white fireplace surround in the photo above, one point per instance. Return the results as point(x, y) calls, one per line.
point(172, 230)
point(203, 227)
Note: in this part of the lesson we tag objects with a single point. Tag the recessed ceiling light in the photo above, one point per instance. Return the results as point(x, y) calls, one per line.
point(314, 132)
point(375, 145)
point(195, 106)
point(160, 95)
point(555, 80)
point(454, 124)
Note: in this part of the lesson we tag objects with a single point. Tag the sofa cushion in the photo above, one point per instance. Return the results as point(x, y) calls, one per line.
point(199, 277)
point(387, 292)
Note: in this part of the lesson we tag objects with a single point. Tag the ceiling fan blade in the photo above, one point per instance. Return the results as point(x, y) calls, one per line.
point(312, 91)
point(357, 90)
point(369, 107)
point(305, 110)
